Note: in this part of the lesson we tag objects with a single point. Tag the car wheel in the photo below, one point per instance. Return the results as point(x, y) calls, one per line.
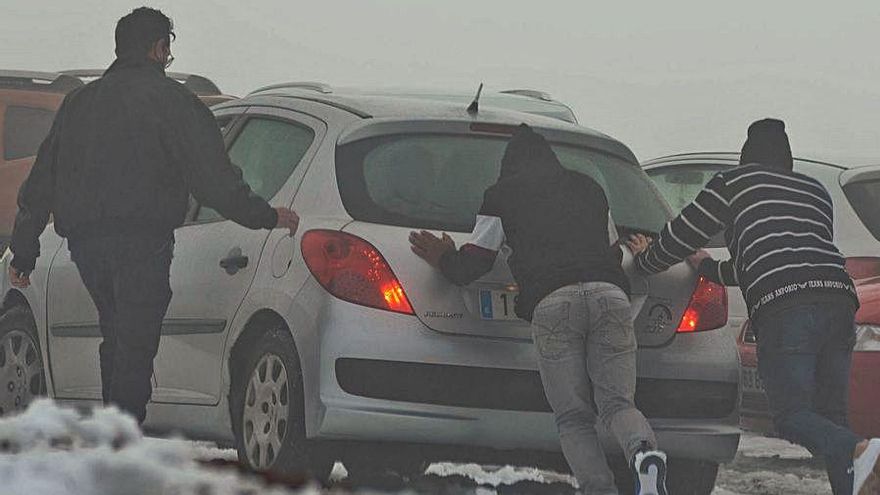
point(22, 377)
point(267, 411)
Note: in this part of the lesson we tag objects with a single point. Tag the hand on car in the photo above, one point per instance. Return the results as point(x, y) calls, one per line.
point(638, 243)
point(696, 259)
point(19, 280)
point(430, 247)
point(287, 219)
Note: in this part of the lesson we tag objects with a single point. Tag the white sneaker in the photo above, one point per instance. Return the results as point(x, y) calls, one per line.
point(650, 467)
point(866, 470)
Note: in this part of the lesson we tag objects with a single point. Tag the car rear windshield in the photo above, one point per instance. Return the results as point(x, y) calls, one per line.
point(680, 184)
point(865, 199)
point(437, 181)
point(25, 129)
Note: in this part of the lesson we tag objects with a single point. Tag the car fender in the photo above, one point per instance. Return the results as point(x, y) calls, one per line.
point(297, 298)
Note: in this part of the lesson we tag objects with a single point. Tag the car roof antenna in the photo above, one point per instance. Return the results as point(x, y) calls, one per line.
point(474, 107)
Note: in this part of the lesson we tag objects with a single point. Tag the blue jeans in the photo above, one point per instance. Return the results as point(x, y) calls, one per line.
point(804, 355)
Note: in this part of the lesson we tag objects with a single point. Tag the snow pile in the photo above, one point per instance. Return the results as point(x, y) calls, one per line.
point(498, 476)
point(54, 450)
point(762, 446)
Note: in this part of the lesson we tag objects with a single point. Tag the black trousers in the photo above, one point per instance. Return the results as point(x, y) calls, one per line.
point(128, 279)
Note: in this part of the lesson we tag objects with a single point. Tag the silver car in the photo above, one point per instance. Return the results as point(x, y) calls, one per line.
point(339, 341)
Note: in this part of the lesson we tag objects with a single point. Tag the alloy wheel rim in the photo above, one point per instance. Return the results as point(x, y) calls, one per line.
point(266, 408)
point(21, 372)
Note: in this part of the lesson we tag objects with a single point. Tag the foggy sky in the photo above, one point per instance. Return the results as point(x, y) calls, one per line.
point(663, 77)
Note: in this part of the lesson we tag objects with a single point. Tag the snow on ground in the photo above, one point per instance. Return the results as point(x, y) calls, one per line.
point(53, 450)
point(763, 466)
point(57, 451)
point(770, 466)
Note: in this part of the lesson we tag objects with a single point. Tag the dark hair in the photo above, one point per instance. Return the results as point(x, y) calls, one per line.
point(139, 30)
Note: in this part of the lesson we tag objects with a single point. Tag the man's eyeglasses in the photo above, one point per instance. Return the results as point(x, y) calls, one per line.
point(169, 61)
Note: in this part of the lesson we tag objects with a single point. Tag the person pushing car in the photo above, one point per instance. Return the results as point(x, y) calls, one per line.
point(574, 292)
point(122, 158)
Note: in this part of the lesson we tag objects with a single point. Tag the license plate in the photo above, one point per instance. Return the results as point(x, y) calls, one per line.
point(751, 381)
point(497, 305)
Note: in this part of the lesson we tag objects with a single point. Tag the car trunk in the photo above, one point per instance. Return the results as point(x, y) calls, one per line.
point(394, 184)
point(658, 302)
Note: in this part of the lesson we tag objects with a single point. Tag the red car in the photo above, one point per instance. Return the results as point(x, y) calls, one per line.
point(28, 102)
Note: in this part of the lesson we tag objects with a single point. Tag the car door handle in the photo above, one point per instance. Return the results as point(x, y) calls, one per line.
point(234, 261)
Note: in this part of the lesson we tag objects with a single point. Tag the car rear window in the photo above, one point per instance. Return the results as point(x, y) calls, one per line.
point(865, 199)
point(438, 181)
point(25, 128)
point(680, 184)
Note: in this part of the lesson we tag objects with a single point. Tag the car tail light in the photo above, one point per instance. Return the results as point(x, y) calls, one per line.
point(353, 270)
point(707, 309)
point(863, 267)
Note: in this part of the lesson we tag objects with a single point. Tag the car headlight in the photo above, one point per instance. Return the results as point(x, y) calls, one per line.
point(867, 338)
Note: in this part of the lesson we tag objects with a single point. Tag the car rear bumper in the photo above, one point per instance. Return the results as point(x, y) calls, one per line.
point(385, 377)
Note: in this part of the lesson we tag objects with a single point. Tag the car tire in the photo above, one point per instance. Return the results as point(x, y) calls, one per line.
point(266, 402)
point(22, 374)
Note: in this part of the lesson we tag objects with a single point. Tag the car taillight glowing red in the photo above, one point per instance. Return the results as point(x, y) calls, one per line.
point(707, 309)
point(353, 270)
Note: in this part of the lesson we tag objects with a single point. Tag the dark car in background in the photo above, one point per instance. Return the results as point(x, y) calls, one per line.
point(28, 102)
point(855, 193)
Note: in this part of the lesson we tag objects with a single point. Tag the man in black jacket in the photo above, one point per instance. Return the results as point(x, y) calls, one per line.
point(116, 171)
point(574, 292)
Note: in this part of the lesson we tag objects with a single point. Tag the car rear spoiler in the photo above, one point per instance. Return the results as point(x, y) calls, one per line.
point(200, 85)
point(38, 81)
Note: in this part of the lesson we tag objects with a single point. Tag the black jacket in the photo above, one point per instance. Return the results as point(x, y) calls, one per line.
point(554, 220)
point(123, 156)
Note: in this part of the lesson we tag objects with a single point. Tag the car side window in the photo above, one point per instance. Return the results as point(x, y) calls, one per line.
point(25, 130)
point(267, 150)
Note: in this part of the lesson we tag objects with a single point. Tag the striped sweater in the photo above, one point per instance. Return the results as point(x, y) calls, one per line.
point(779, 230)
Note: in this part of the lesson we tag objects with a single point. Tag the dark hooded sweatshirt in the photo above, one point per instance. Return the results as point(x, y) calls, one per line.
point(554, 220)
point(123, 156)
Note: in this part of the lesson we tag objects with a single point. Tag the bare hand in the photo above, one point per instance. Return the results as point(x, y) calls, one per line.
point(287, 219)
point(697, 258)
point(18, 279)
point(430, 247)
point(638, 243)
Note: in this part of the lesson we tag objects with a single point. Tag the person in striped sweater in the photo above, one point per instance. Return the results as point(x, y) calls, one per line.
point(778, 226)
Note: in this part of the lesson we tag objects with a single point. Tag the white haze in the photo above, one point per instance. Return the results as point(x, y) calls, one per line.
point(664, 77)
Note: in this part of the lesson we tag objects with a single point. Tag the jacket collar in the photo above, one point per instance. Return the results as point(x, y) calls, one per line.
point(133, 63)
